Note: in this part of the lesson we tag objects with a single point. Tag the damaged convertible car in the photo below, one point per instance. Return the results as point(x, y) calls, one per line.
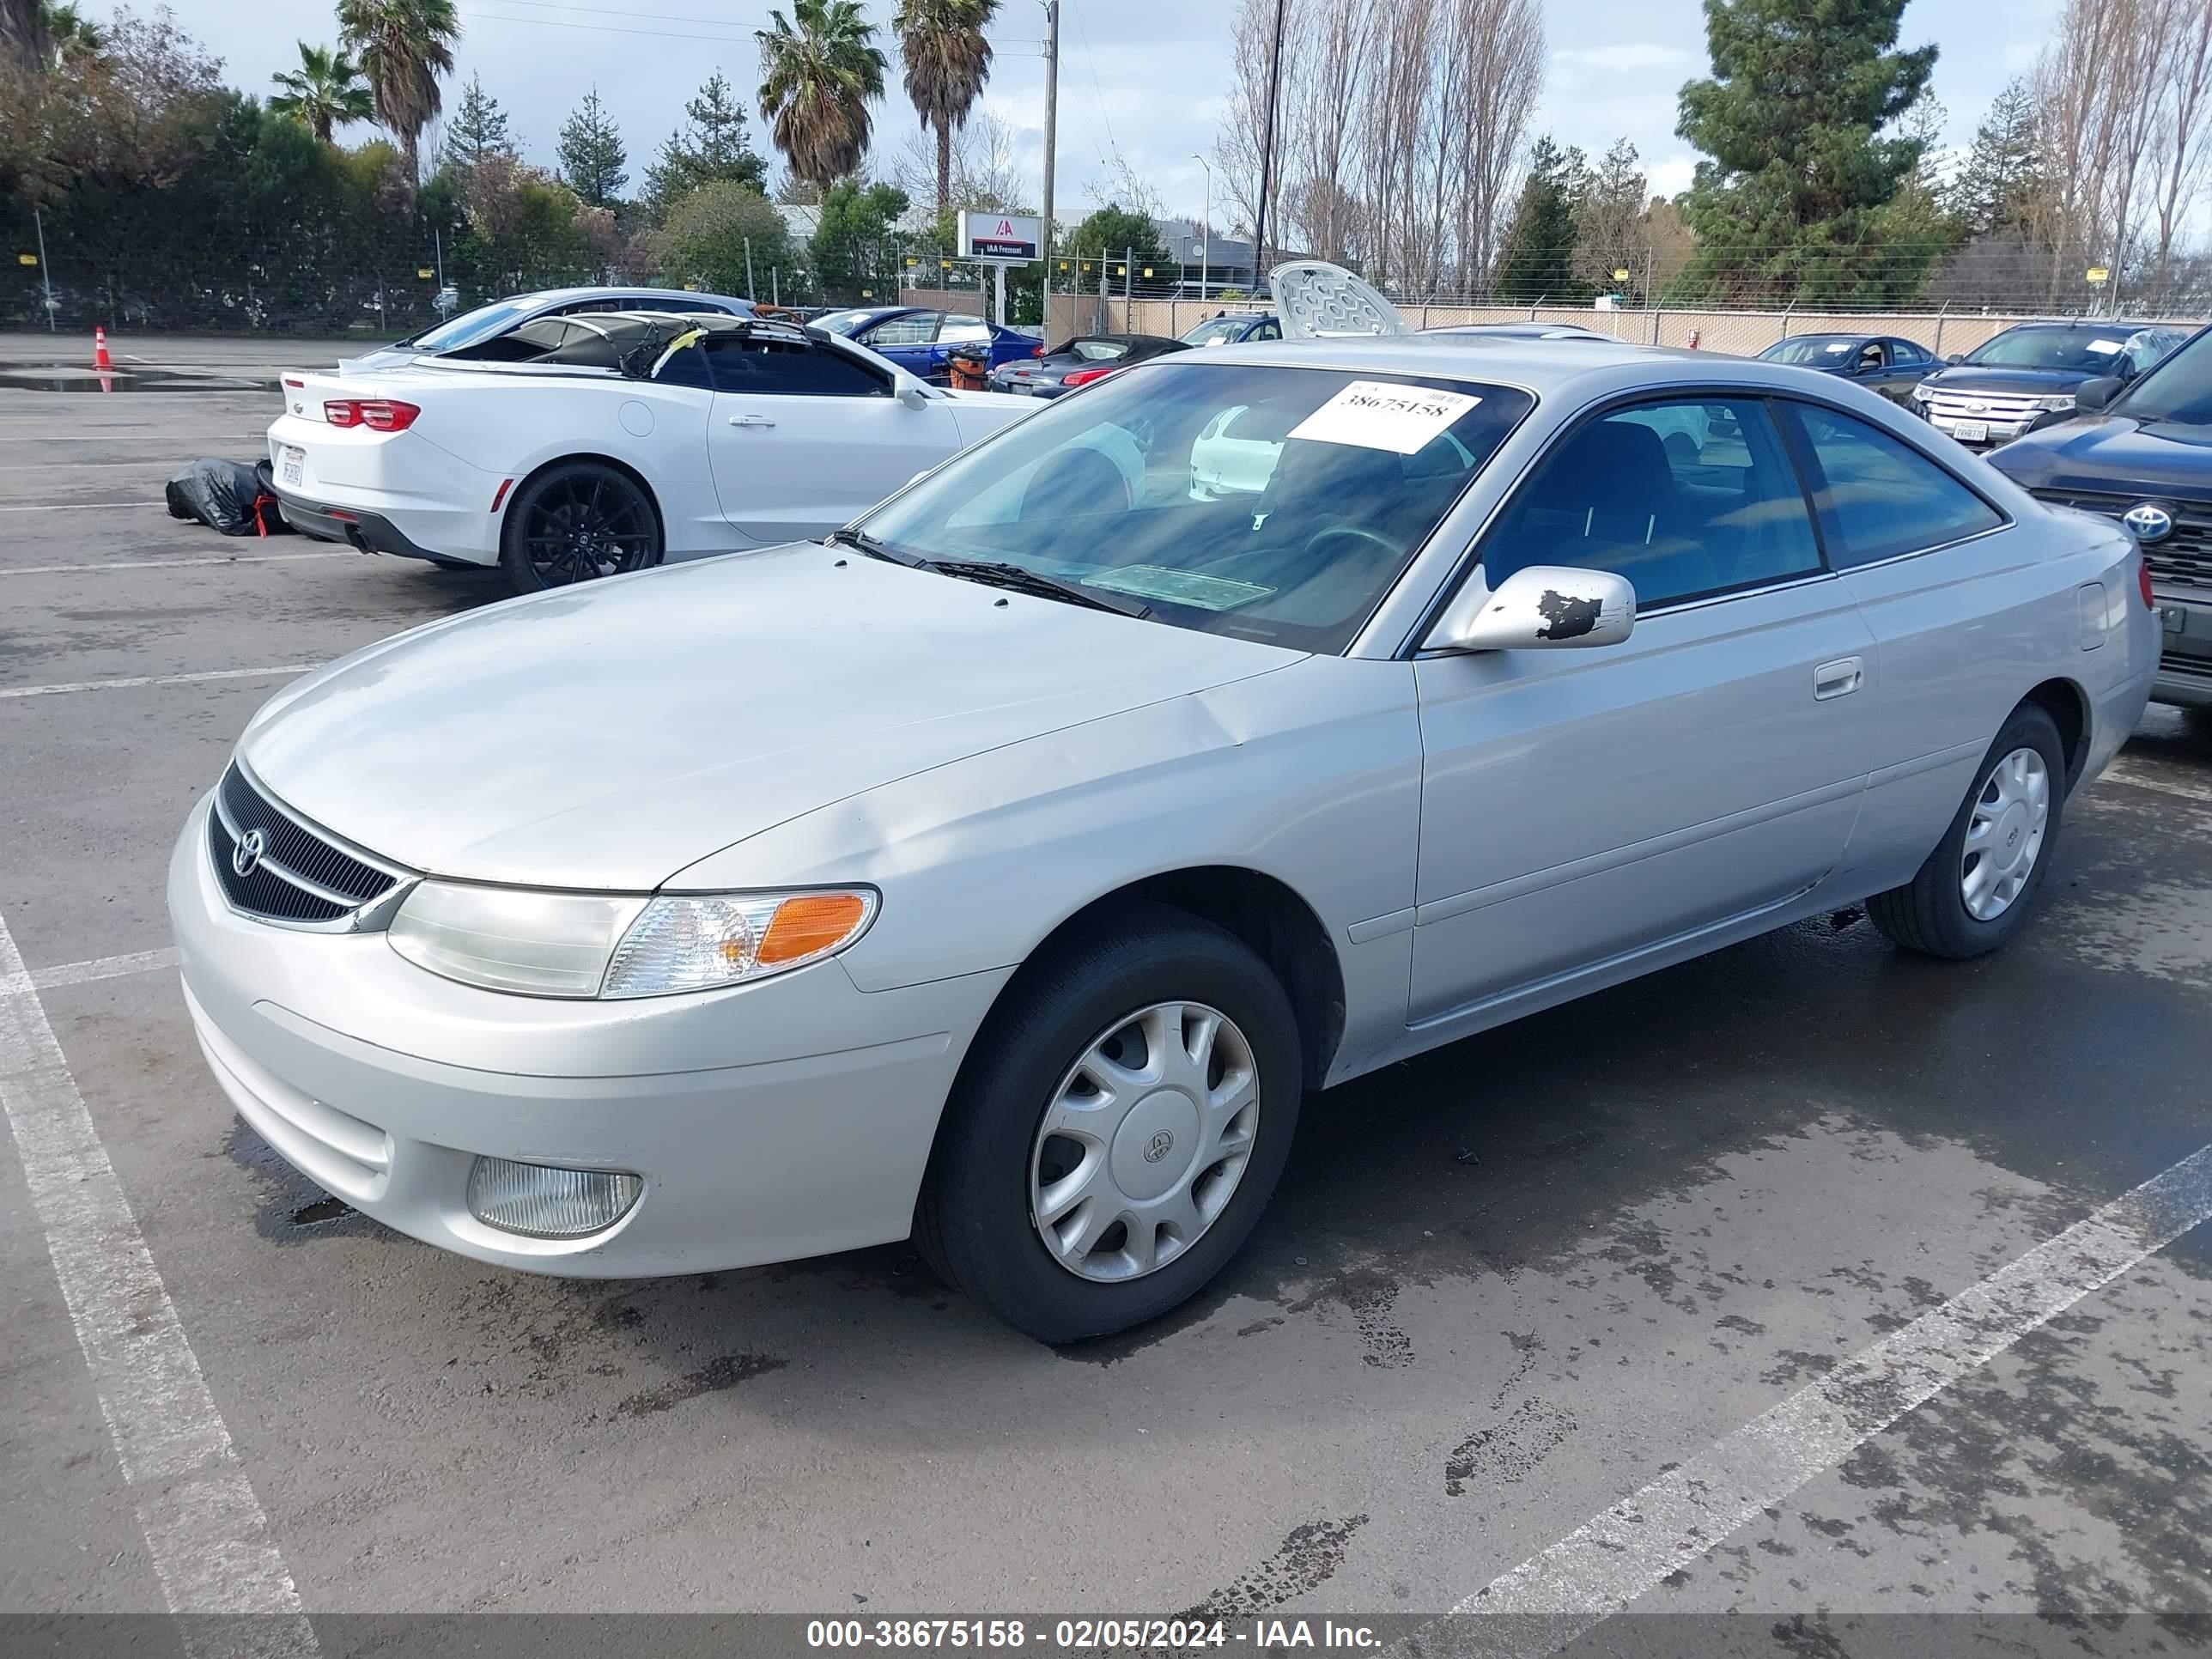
point(568, 447)
point(1006, 868)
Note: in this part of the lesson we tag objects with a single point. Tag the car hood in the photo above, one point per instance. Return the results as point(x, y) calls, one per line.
point(2113, 456)
point(606, 737)
point(2028, 382)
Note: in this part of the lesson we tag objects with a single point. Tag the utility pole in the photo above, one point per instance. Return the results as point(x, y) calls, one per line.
point(45, 271)
point(1267, 153)
point(1051, 133)
point(1204, 231)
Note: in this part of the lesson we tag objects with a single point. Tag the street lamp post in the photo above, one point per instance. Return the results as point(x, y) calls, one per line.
point(1205, 230)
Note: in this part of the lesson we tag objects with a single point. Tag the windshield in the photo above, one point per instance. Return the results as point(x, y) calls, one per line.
point(472, 327)
point(1268, 503)
point(1824, 351)
point(2082, 351)
point(2179, 389)
point(844, 322)
point(1219, 331)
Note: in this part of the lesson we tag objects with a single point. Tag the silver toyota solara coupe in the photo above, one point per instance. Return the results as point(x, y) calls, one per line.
point(1003, 870)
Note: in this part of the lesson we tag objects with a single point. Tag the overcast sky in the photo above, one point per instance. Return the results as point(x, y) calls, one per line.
point(1145, 76)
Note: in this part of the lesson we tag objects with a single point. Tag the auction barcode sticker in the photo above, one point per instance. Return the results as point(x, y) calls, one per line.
point(1383, 415)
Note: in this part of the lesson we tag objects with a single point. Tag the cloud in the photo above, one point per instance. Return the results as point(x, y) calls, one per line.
point(1574, 67)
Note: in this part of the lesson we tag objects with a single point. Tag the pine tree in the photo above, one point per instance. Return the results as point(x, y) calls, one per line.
point(592, 154)
point(2005, 167)
point(713, 146)
point(476, 132)
point(1793, 120)
point(1536, 259)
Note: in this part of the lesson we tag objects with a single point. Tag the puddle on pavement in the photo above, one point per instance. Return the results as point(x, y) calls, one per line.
point(79, 381)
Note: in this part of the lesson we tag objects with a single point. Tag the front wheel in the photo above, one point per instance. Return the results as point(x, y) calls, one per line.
point(575, 522)
point(1975, 890)
point(1117, 1131)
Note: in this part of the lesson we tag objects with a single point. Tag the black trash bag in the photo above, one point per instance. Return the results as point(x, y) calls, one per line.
point(225, 495)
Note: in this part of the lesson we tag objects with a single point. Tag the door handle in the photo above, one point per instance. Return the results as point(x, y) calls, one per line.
point(1838, 679)
point(751, 420)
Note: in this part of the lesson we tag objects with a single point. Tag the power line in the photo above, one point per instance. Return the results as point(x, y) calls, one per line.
point(1097, 89)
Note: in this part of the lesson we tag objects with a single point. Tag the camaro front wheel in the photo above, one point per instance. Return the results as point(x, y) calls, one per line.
point(1118, 1129)
point(576, 521)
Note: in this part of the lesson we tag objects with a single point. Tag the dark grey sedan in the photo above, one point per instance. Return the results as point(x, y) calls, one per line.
point(1078, 361)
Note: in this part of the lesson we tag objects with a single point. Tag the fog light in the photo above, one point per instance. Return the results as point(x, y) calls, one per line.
point(541, 1201)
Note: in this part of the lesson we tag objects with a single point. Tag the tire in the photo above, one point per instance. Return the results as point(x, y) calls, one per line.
point(575, 522)
point(975, 1222)
point(1931, 914)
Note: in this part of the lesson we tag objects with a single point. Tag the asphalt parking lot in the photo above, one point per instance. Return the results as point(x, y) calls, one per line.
point(1617, 1252)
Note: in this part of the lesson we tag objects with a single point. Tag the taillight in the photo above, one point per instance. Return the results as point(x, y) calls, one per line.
point(1085, 376)
point(2143, 581)
point(377, 414)
point(1037, 350)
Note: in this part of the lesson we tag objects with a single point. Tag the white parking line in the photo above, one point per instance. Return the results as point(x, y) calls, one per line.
point(210, 1541)
point(2137, 776)
point(155, 679)
point(84, 973)
point(78, 507)
point(1602, 1566)
point(162, 564)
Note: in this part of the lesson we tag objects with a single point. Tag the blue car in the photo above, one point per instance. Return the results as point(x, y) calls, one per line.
point(920, 340)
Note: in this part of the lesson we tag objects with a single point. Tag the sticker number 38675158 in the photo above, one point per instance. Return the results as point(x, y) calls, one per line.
point(1383, 415)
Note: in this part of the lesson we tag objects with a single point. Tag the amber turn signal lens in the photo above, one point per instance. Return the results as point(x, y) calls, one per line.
point(810, 923)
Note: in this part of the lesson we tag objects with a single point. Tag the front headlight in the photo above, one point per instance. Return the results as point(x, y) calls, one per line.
point(1924, 393)
point(2058, 402)
point(589, 944)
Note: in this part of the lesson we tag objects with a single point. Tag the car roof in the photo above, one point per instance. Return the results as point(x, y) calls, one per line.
point(1543, 366)
point(2103, 324)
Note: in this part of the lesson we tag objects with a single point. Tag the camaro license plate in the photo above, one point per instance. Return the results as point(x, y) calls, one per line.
point(1970, 431)
point(295, 457)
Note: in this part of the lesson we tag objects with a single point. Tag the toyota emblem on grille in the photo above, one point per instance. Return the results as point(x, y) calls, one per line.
point(2149, 521)
point(245, 857)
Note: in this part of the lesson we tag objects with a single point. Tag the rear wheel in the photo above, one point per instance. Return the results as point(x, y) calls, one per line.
point(575, 522)
point(1118, 1130)
point(1975, 890)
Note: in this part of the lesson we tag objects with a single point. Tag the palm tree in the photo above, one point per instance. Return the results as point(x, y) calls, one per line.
point(71, 37)
point(403, 46)
point(947, 61)
point(816, 82)
point(326, 91)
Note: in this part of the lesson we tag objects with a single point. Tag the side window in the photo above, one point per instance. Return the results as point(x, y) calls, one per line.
point(916, 328)
point(686, 368)
point(789, 369)
point(1270, 330)
point(1877, 496)
point(1684, 498)
point(1907, 355)
point(962, 331)
point(1873, 355)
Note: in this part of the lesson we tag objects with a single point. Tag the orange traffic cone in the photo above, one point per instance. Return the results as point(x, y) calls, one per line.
point(100, 357)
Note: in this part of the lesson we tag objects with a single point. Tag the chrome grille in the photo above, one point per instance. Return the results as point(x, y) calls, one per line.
point(2182, 559)
point(302, 878)
point(1997, 408)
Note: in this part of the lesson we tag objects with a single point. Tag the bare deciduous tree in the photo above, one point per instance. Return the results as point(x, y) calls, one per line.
point(2180, 147)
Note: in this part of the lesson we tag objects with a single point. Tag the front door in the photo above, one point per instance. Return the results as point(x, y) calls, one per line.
point(1580, 806)
point(802, 437)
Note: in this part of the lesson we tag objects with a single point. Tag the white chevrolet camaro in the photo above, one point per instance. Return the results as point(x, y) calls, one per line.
point(575, 446)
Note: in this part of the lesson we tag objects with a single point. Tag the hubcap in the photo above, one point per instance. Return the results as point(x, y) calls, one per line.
point(2004, 837)
point(1144, 1140)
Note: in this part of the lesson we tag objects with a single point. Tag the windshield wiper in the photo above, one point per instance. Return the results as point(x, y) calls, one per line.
point(868, 545)
point(1021, 579)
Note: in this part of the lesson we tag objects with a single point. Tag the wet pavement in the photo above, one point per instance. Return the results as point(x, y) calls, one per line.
point(1503, 1286)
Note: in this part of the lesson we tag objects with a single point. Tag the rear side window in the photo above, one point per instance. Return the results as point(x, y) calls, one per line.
point(686, 366)
point(1907, 354)
point(917, 329)
point(960, 331)
point(789, 369)
point(1877, 496)
point(1684, 498)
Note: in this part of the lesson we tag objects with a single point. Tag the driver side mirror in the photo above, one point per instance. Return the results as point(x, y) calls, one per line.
point(913, 396)
point(1956, 358)
point(2095, 394)
point(1539, 608)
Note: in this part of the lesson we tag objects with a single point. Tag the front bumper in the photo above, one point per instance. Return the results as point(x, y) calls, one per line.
point(769, 1121)
point(2185, 665)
